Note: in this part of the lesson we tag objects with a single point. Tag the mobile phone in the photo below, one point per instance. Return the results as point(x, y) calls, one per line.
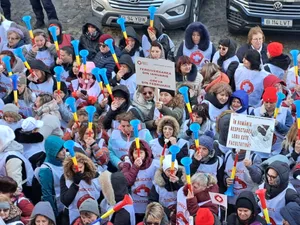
point(84, 92)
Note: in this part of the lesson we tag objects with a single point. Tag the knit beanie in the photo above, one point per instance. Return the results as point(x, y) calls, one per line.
point(16, 30)
point(120, 94)
point(296, 171)
point(171, 92)
point(270, 95)
point(167, 163)
point(244, 203)
point(204, 217)
point(207, 142)
point(89, 205)
point(104, 37)
point(10, 107)
point(275, 49)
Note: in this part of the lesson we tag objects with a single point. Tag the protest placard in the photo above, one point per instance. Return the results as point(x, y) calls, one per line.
point(250, 133)
point(155, 73)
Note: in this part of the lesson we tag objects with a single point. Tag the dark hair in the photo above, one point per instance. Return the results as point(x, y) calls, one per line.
point(182, 60)
point(83, 128)
point(253, 57)
point(11, 55)
point(8, 185)
point(156, 44)
point(69, 50)
point(126, 116)
point(202, 111)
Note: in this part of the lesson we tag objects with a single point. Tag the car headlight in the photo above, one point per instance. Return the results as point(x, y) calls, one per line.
point(178, 10)
point(97, 6)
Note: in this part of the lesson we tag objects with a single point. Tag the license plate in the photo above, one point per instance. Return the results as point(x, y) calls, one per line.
point(135, 19)
point(277, 23)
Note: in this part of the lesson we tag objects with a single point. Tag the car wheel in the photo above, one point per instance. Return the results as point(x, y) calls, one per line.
point(195, 12)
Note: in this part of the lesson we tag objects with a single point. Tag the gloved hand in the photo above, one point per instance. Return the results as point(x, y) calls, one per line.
point(77, 177)
point(188, 132)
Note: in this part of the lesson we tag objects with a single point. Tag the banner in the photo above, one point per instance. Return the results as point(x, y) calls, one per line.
point(218, 199)
point(157, 73)
point(250, 133)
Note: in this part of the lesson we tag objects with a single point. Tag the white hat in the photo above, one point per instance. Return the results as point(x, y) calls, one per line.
point(167, 163)
point(31, 123)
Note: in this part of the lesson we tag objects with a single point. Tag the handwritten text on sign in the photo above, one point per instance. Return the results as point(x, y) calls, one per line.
point(250, 133)
point(155, 73)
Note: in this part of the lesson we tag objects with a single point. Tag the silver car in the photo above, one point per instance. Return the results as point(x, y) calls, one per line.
point(172, 13)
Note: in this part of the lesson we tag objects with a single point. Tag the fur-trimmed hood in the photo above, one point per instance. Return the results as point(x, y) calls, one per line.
point(168, 120)
point(90, 170)
point(160, 181)
point(114, 186)
point(204, 41)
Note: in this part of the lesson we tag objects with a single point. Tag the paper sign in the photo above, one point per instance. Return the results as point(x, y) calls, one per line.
point(218, 199)
point(155, 73)
point(250, 133)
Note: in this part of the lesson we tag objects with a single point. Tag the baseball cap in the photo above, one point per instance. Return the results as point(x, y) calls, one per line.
point(31, 123)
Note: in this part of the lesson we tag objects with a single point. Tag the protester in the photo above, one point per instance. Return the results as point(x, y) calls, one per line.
point(290, 214)
point(205, 217)
point(11, 116)
point(66, 59)
point(154, 214)
point(42, 214)
point(9, 213)
point(246, 211)
point(89, 212)
point(239, 102)
point(63, 39)
point(143, 99)
point(156, 51)
point(16, 39)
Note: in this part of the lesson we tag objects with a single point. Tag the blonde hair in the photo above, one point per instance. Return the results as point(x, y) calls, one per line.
point(209, 71)
point(253, 31)
point(291, 136)
point(4, 198)
point(17, 117)
point(154, 210)
point(204, 179)
point(220, 87)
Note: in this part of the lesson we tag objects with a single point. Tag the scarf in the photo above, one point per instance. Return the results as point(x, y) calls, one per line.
point(48, 108)
point(92, 36)
point(212, 98)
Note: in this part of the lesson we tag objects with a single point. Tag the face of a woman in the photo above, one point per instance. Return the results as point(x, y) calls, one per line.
point(125, 127)
point(244, 213)
point(142, 154)
point(88, 133)
point(246, 63)
point(197, 119)
point(21, 88)
point(204, 151)
point(257, 41)
point(41, 220)
point(196, 37)
point(168, 172)
point(37, 103)
point(197, 188)
point(88, 218)
point(155, 52)
point(222, 97)
point(13, 39)
point(75, 68)
point(148, 93)
point(186, 68)
point(4, 213)
point(40, 41)
point(40, 75)
point(168, 131)
point(80, 167)
point(236, 104)
point(165, 97)
point(223, 50)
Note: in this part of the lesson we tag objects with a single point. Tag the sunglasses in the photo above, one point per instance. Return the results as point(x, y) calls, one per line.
point(149, 93)
point(103, 45)
point(222, 48)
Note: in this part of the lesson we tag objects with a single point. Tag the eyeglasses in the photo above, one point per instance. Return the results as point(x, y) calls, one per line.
point(103, 45)
point(152, 223)
point(222, 48)
point(148, 93)
point(12, 38)
point(272, 177)
point(4, 210)
point(257, 39)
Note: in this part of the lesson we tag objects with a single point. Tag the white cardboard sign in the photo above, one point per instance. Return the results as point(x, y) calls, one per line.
point(250, 133)
point(155, 73)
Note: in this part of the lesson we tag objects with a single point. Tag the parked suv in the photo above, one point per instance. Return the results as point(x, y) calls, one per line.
point(172, 13)
point(275, 15)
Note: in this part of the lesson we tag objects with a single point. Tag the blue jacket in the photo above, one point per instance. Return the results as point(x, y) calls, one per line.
point(291, 213)
point(53, 145)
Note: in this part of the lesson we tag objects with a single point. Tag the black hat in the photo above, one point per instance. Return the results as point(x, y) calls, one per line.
point(171, 92)
point(120, 94)
point(244, 203)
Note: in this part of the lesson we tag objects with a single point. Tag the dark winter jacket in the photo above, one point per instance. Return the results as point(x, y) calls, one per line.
point(111, 115)
point(233, 219)
point(90, 43)
point(283, 61)
point(190, 77)
point(204, 41)
point(244, 48)
point(243, 97)
point(137, 47)
point(163, 181)
point(107, 61)
point(62, 39)
point(291, 213)
point(125, 59)
point(283, 171)
point(131, 171)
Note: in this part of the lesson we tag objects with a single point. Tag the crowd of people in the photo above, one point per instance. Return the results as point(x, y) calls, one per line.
point(41, 184)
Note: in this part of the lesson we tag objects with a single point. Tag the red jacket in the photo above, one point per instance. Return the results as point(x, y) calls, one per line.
point(25, 205)
point(192, 204)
